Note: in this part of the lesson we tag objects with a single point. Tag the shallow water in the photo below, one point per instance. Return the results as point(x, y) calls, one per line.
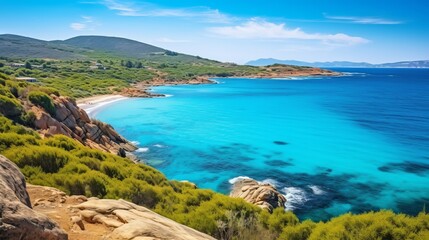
point(353, 143)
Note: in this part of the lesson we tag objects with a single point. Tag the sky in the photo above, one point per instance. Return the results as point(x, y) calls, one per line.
point(374, 31)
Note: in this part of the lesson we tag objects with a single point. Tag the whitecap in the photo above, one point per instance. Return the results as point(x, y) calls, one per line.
point(159, 145)
point(295, 197)
point(236, 179)
point(135, 143)
point(316, 190)
point(270, 181)
point(142, 150)
point(168, 95)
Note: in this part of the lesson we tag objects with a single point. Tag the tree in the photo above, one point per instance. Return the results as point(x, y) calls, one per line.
point(139, 65)
point(27, 65)
point(129, 64)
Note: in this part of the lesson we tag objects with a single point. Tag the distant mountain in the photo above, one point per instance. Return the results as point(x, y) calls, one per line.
point(405, 64)
point(113, 45)
point(81, 47)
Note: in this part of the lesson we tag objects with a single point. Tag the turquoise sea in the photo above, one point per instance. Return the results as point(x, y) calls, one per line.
point(355, 143)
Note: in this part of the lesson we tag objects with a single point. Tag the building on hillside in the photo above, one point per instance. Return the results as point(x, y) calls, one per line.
point(27, 79)
point(17, 65)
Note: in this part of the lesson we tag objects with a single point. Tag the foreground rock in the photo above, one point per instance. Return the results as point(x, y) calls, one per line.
point(72, 121)
point(17, 219)
point(262, 195)
point(107, 219)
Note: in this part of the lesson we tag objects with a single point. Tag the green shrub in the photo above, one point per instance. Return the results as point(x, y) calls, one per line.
point(43, 100)
point(10, 107)
point(50, 159)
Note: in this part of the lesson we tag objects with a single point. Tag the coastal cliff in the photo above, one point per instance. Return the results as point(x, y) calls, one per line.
point(74, 122)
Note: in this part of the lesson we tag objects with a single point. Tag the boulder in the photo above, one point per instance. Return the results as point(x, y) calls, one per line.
point(93, 218)
point(132, 221)
point(263, 195)
point(17, 219)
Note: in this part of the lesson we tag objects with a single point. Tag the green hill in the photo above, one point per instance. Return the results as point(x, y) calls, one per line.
point(114, 45)
point(14, 46)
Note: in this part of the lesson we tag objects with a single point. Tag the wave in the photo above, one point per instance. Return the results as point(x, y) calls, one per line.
point(236, 179)
point(270, 181)
point(168, 95)
point(142, 150)
point(295, 197)
point(316, 190)
point(159, 145)
point(135, 143)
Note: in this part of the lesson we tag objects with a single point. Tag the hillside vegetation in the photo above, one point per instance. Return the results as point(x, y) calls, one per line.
point(92, 65)
point(68, 165)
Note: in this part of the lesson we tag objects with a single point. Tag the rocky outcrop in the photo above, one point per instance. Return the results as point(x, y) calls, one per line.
point(72, 121)
point(262, 195)
point(107, 219)
point(17, 219)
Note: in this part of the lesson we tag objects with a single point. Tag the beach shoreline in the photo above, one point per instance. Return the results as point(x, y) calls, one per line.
point(93, 104)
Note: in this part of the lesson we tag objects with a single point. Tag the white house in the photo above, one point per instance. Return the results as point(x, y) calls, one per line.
point(27, 79)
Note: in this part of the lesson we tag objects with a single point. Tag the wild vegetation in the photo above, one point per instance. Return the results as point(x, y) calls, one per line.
point(68, 165)
point(83, 78)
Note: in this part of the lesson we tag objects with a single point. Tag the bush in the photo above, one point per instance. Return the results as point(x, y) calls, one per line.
point(10, 107)
point(43, 100)
point(50, 159)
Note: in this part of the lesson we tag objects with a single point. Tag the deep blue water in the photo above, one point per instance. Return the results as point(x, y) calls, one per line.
point(354, 143)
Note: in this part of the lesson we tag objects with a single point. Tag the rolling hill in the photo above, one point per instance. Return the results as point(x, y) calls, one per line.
point(113, 45)
point(80, 47)
point(15, 46)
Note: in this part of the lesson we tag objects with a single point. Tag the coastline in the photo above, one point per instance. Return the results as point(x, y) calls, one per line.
point(94, 103)
point(91, 105)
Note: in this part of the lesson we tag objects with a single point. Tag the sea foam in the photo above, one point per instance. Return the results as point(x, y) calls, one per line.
point(295, 197)
point(142, 150)
point(316, 190)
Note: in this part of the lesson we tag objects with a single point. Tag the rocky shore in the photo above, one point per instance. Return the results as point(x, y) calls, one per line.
point(263, 195)
point(74, 122)
point(30, 212)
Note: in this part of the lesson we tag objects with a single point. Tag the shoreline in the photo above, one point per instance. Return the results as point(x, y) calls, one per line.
point(91, 105)
point(94, 103)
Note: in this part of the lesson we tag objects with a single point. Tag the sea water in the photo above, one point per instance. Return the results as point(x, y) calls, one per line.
point(331, 145)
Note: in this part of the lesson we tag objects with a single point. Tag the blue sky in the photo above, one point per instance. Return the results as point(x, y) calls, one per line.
point(238, 31)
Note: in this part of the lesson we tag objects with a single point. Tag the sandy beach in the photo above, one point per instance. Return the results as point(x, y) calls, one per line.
point(92, 104)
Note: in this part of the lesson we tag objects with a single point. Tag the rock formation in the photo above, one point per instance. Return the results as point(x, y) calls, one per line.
point(72, 121)
point(17, 219)
point(262, 195)
point(94, 218)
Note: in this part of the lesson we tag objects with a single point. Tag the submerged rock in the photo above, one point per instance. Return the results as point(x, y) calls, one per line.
point(263, 195)
point(17, 219)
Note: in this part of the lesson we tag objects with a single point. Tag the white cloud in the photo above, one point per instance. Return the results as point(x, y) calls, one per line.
point(122, 8)
point(364, 20)
point(149, 10)
point(78, 26)
point(261, 29)
point(169, 40)
point(87, 23)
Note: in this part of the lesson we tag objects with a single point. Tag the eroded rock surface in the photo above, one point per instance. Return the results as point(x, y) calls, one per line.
point(72, 121)
point(17, 219)
point(262, 195)
point(92, 218)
